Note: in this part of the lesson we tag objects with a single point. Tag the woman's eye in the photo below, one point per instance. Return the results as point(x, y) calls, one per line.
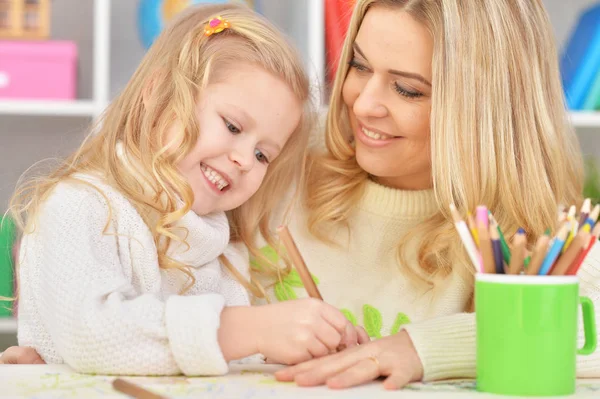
point(406, 93)
point(358, 66)
point(260, 157)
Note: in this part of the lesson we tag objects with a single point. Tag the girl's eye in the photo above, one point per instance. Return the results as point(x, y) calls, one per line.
point(358, 66)
point(231, 127)
point(406, 93)
point(260, 157)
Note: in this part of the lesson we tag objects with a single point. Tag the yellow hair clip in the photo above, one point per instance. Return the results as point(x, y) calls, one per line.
point(216, 25)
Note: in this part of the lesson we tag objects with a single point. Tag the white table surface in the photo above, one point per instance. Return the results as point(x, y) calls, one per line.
point(244, 382)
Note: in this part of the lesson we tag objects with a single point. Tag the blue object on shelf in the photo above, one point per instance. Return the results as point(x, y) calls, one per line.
point(580, 61)
point(592, 100)
point(152, 16)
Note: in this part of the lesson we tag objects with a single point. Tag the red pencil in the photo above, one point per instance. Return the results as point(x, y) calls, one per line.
point(579, 261)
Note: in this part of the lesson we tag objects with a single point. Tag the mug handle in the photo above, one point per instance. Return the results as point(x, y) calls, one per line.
point(589, 326)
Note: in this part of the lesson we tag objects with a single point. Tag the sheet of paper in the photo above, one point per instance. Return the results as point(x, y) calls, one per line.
point(244, 382)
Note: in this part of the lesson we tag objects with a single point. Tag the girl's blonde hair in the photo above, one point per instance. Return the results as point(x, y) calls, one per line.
point(499, 129)
point(165, 89)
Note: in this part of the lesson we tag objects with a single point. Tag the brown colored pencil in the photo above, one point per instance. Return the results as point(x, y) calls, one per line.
point(579, 261)
point(518, 253)
point(566, 260)
point(298, 262)
point(539, 253)
point(134, 390)
point(485, 246)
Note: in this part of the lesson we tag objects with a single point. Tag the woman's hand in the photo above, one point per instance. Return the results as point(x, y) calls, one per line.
point(20, 355)
point(394, 357)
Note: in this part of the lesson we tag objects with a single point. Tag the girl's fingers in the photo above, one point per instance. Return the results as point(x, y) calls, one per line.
point(318, 349)
point(350, 337)
point(328, 335)
point(363, 337)
point(335, 318)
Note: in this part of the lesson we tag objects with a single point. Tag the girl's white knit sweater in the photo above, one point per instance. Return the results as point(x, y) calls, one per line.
point(92, 294)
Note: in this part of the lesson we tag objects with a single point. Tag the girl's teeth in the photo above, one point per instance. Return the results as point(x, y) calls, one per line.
point(214, 177)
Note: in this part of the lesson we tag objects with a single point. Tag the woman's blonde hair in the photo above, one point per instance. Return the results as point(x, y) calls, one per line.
point(499, 129)
point(165, 89)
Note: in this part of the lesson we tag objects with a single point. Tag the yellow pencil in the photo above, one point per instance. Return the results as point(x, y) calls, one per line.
point(572, 233)
point(473, 228)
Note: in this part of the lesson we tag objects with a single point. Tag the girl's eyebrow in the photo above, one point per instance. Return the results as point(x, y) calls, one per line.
point(405, 74)
point(244, 118)
point(248, 122)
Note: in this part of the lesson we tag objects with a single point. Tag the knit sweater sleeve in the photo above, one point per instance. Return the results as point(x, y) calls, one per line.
point(97, 321)
point(446, 345)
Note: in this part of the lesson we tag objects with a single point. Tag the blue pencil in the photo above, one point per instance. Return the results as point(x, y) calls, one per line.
point(555, 249)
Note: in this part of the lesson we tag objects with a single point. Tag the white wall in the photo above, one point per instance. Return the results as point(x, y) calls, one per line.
point(25, 140)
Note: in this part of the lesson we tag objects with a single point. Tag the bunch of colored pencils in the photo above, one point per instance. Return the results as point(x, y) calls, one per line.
point(562, 254)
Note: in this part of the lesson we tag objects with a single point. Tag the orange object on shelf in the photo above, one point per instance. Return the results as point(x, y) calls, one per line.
point(24, 19)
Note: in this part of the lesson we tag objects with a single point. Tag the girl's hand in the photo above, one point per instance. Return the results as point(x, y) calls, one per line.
point(20, 355)
point(295, 331)
point(393, 357)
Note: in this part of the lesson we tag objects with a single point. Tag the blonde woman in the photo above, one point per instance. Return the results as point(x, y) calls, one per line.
point(435, 102)
point(124, 264)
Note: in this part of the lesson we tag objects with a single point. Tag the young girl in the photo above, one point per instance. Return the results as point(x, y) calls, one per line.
point(124, 264)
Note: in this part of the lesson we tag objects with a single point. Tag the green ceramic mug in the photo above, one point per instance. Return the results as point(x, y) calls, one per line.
point(527, 333)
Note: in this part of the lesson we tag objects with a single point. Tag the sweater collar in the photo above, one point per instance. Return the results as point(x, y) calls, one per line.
point(395, 203)
point(206, 236)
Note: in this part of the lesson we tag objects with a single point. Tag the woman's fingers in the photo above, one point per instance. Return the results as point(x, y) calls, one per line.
point(317, 369)
point(398, 380)
point(361, 372)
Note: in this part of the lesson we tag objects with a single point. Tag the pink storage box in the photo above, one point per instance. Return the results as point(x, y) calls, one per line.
point(44, 70)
